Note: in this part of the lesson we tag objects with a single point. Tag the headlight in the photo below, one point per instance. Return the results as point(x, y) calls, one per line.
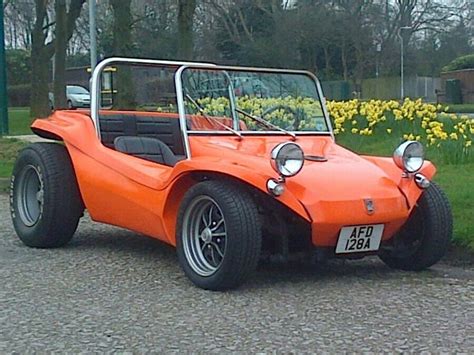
point(409, 156)
point(287, 159)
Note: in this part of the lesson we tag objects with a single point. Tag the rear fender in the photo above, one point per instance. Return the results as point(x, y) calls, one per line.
point(69, 126)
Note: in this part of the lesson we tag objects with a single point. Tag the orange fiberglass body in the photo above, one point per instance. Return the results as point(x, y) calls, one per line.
point(143, 196)
point(230, 165)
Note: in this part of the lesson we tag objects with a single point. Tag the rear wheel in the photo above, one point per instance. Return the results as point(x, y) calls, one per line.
point(45, 202)
point(425, 238)
point(218, 235)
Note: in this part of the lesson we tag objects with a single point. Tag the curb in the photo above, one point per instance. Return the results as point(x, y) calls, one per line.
point(458, 255)
point(4, 184)
point(31, 138)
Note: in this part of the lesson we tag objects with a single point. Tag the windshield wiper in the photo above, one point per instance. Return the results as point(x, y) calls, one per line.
point(212, 119)
point(266, 123)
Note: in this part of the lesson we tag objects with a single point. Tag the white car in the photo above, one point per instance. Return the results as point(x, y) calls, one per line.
point(77, 97)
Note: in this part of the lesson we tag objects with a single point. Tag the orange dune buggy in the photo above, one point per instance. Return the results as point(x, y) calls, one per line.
point(228, 164)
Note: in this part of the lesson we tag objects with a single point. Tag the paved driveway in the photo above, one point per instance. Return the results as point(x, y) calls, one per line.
point(111, 290)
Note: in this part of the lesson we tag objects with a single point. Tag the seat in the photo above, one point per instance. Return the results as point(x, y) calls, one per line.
point(142, 124)
point(147, 148)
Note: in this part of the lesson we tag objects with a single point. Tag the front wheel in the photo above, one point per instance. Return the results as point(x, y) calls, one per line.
point(425, 238)
point(45, 202)
point(218, 235)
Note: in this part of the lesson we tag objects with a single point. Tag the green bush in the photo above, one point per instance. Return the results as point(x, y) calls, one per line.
point(18, 66)
point(464, 62)
point(19, 95)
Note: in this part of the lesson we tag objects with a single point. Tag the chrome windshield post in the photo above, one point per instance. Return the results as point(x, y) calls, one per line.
point(180, 101)
point(181, 109)
point(322, 99)
point(233, 103)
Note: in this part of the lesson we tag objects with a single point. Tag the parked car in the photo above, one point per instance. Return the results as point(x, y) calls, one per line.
point(77, 97)
point(229, 179)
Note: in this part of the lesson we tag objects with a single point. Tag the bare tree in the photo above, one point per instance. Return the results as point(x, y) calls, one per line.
point(60, 48)
point(186, 9)
point(123, 46)
point(19, 21)
point(336, 38)
point(42, 50)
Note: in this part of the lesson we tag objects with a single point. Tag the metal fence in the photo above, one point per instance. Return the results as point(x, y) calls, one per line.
point(384, 88)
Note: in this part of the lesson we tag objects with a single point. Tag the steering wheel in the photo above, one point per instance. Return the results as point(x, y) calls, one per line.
point(292, 125)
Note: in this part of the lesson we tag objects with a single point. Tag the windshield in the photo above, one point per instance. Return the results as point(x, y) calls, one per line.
point(77, 90)
point(251, 101)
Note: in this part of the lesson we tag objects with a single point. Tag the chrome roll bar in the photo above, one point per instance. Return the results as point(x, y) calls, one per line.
point(95, 84)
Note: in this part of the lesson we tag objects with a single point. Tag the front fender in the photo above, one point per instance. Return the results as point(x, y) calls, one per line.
point(406, 184)
point(182, 180)
point(236, 171)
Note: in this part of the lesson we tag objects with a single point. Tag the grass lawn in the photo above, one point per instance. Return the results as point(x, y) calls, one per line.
point(9, 149)
point(19, 121)
point(458, 183)
point(460, 108)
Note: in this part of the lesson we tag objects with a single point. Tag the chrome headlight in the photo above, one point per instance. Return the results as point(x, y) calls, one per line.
point(287, 159)
point(409, 156)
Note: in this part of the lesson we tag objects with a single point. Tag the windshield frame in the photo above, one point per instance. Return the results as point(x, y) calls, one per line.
point(182, 110)
point(179, 67)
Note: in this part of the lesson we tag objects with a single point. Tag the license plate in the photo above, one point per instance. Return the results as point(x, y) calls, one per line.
point(356, 239)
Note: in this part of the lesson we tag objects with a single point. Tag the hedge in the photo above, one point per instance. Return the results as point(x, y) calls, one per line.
point(464, 62)
point(19, 95)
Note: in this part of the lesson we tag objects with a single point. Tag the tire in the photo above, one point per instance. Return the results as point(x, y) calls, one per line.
point(425, 238)
point(70, 106)
point(218, 235)
point(45, 201)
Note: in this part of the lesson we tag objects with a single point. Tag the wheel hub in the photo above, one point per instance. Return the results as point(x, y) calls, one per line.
point(30, 195)
point(206, 235)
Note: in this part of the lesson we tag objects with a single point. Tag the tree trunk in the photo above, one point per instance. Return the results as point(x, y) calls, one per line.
point(41, 54)
point(186, 9)
point(344, 62)
point(60, 49)
point(122, 43)
point(122, 28)
point(359, 70)
point(39, 106)
point(327, 65)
